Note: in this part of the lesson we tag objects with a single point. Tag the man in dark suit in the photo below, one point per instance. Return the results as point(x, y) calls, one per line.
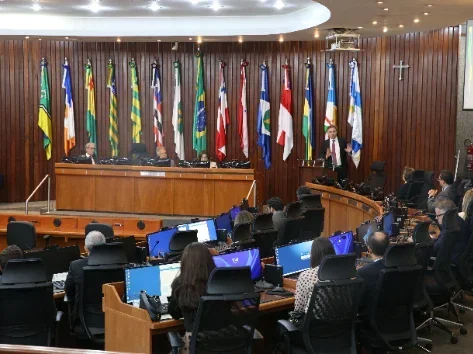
point(75, 277)
point(90, 153)
point(448, 193)
point(378, 243)
point(334, 151)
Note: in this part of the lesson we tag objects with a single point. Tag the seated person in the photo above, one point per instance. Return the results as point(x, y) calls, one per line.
point(243, 217)
point(75, 276)
point(321, 247)
point(196, 265)
point(302, 190)
point(448, 192)
point(11, 252)
point(467, 199)
point(460, 244)
point(90, 152)
point(378, 243)
point(406, 179)
point(276, 207)
point(204, 157)
point(162, 153)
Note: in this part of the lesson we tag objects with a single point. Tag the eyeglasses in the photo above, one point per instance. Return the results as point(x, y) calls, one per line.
point(439, 215)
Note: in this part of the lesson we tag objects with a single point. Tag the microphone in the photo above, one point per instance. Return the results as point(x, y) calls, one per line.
point(151, 252)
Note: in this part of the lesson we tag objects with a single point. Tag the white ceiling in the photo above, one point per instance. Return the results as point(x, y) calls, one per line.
point(252, 19)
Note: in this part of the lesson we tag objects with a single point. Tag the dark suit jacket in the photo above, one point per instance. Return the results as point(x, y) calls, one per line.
point(370, 274)
point(343, 155)
point(447, 193)
point(459, 244)
point(73, 284)
point(402, 191)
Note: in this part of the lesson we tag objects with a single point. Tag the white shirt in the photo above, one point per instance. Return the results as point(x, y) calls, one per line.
point(337, 151)
point(90, 156)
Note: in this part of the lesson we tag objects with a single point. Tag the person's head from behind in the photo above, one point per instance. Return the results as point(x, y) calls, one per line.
point(9, 253)
point(204, 156)
point(303, 190)
point(321, 247)
point(441, 207)
point(467, 199)
point(378, 243)
point(275, 204)
point(445, 178)
point(243, 217)
point(407, 174)
point(196, 265)
point(332, 131)
point(162, 152)
point(93, 239)
point(90, 149)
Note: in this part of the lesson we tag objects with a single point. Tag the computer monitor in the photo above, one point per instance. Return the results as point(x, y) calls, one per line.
point(389, 225)
point(224, 221)
point(234, 211)
point(293, 258)
point(137, 279)
point(167, 274)
point(343, 243)
point(206, 230)
point(364, 230)
point(244, 258)
point(158, 242)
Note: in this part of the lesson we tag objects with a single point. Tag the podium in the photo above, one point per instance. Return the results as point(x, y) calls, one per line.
point(309, 169)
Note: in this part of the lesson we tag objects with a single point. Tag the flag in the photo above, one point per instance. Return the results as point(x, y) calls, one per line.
point(264, 122)
point(200, 115)
point(90, 121)
point(223, 118)
point(177, 119)
point(354, 115)
point(331, 112)
point(112, 116)
point(69, 127)
point(135, 104)
point(285, 131)
point(308, 117)
point(243, 110)
point(44, 119)
point(157, 105)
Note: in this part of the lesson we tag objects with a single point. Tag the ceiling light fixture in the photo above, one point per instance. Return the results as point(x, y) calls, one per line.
point(95, 6)
point(316, 35)
point(215, 6)
point(380, 2)
point(190, 38)
point(36, 7)
point(119, 40)
point(281, 39)
point(429, 5)
point(360, 27)
point(375, 22)
point(199, 40)
point(416, 20)
point(279, 5)
point(385, 29)
point(386, 9)
point(159, 40)
point(27, 37)
point(426, 14)
point(240, 40)
point(39, 39)
point(66, 37)
point(401, 26)
point(154, 6)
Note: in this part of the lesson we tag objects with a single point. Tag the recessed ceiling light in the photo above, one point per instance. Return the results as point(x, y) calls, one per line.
point(401, 26)
point(199, 40)
point(380, 2)
point(279, 5)
point(95, 6)
point(429, 5)
point(281, 39)
point(386, 9)
point(36, 7)
point(27, 37)
point(375, 22)
point(215, 6)
point(360, 27)
point(385, 29)
point(119, 40)
point(240, 40)
point(154, 6)
point(416, 20)
point(316, 35)
point(39, 39)
point(66, 37)
point(159, 40)
point(426, 14)
point(190, 38)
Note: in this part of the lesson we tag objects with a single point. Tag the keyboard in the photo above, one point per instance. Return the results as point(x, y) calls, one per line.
point(58, 286)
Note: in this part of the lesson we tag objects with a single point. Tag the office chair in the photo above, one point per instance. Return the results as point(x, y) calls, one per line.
point(329, 323)
point(226, 317)
point(429, 184)
point(377, 178)
point(241, 232)
point(129, 243)
point(289, 231)
point(56, 260)
point(265, 240)
point(311, 201)
point(27, 310)
point(263, 222)
point(138, 150)
point(22, 234)
point(105, 265)
point(421, 232)
point(105, 229)
point(179, 242)
point(413, 193)
point(293, 210)
point(313, 223)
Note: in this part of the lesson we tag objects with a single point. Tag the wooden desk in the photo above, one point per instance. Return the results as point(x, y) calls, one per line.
point(308, 173)
point(130, 329)
point(25, 349)
point(151, 190)
point(344, 210)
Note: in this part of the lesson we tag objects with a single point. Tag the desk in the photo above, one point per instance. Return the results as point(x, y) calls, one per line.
point(344, 210)
point(130, 329)
point(308, 173)
point(151, 190)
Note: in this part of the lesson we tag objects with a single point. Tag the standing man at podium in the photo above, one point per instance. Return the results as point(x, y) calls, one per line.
point(335, 150)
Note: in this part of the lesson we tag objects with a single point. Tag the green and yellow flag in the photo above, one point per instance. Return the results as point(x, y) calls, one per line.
point(44, 120)
point(135, 104)
point(90, 121)
point(200, 114)
point(113, 129)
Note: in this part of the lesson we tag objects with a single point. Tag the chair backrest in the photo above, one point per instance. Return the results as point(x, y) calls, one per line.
point(290, 230)
point(227, 314)
point(56, 260)
point(418, 175)
point(313, 223)
point(421, 232)
point(426, 187)
point(263, 222)
point(329, 324)
point(294, 210)
point(311, 201)
point(22, 234)
point(377, 177)
point(241, 232)
point(105, 229)
point(107, 254)
point(129, 243)
point(265, 242)
point(413, 191)
point(181, 239)
point(24, 271)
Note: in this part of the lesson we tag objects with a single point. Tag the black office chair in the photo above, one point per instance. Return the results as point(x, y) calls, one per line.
point(377, 178)
point(313, 223)
point(105, 229)
point(329, 324)
point(27, 310)
point(179, 242)
point(421, 232)
point(263, 222)
point(138, 150)
point(429, 184)
point(242, 232)
point(264, 240)
point(56, 260)
point(413, 193)
point(129, 243)
point(22, 234)
point(311, 201)
point(391, 315)
point(105, 265)
point(294, 210)
point(226, 317)
point(289, 231)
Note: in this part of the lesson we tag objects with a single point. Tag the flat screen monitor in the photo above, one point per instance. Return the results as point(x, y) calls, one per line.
point(293, 258)
point(343, 243)
point(244, 258)
point(234, 211)
point(206, 230)
point(224, 222)
point(390, 226)
point(364, 230)
point(158, 242)
point(167, 274)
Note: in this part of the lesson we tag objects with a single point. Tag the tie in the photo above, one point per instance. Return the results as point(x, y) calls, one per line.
point(334, 154)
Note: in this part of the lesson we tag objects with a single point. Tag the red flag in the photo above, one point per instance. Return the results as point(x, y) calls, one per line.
point(243, 110)
point(285, 131)
point(223, 117)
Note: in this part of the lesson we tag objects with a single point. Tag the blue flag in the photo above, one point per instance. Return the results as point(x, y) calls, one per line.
point(264, 121)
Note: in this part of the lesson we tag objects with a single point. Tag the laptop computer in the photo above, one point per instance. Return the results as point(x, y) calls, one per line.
point(294, 258)
point(249, 257)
